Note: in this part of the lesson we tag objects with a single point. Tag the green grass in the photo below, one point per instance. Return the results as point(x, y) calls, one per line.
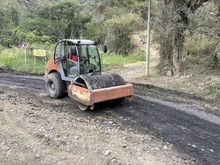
point(114, 61)
point(200, 46)
point(14, 58)
point(215, 89)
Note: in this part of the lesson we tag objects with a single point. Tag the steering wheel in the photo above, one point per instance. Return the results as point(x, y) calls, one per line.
point(83, 60)
point(94, 58)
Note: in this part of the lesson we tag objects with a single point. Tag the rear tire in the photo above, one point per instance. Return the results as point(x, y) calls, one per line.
point(55, 86)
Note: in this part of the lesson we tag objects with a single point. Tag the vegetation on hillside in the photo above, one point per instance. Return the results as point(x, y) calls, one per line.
point(184, 29)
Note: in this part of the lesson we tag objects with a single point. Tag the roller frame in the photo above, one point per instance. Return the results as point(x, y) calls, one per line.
point(90, 97)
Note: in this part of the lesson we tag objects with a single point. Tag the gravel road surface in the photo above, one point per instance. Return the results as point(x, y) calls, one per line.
point(155, 127)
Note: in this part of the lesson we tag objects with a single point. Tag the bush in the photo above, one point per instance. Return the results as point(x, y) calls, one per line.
point(31, 38)
point(200, 50)
point(215, 89)
point(1, 49)
point(8, 57)
point(120, 29)
point(200, 45)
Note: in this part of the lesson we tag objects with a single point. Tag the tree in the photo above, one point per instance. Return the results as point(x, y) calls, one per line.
point(66, 19)
point(2, 20)
point(120, 29)
point(14, 16)
point(118, 19)
point(174, 22)
point(207, 20)
point(9, 21)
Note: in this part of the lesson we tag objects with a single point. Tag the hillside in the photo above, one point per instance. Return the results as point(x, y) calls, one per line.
point(25, 6)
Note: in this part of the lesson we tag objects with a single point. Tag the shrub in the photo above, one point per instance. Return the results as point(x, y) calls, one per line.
point(215, 89)
point(200, 49)
point(200, 46)
point(39, 39)
point(120, 29)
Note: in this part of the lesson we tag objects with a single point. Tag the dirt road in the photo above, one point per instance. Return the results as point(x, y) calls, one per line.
point(148, 130)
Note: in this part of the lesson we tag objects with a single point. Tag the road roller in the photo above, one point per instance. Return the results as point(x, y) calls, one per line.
point(76, 70)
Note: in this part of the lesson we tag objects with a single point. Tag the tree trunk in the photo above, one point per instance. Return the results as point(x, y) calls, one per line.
point(175, 21)
point(180, 21)
point(177, 52)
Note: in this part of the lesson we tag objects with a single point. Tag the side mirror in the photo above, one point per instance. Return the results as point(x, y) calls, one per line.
point(105, 49)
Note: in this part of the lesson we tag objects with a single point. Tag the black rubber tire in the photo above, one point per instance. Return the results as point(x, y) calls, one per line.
point(55, 86)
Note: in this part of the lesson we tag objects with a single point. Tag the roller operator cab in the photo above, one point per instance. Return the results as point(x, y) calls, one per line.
point(76, 69)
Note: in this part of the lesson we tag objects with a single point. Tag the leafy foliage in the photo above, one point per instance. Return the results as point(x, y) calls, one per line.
point(215, 89)
point(120, 30)
point(200, 46)
point(112, 22)
point(65, 19)
point(174, 22)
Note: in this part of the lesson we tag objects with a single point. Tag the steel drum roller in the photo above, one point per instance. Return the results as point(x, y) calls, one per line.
point(101, 81)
